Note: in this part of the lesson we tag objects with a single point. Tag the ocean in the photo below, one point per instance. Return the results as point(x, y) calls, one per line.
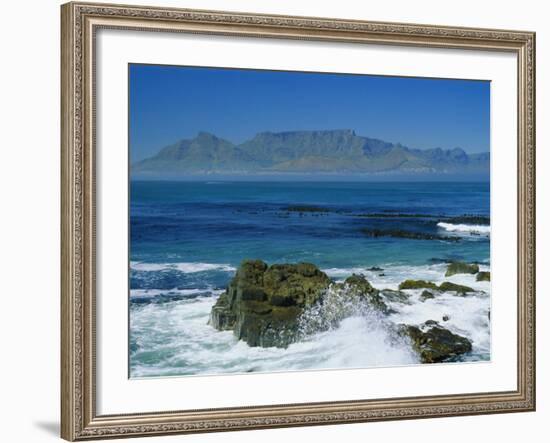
point(188, 238)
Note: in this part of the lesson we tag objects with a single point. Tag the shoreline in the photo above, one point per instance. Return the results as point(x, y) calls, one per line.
point(230, 355)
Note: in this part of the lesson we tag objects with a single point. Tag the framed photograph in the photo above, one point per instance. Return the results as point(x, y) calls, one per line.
point(277, 221)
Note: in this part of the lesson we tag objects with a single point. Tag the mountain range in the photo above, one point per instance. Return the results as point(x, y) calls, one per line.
point(327, 151)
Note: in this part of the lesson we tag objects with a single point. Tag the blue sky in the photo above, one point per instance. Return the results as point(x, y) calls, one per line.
point(168, 103)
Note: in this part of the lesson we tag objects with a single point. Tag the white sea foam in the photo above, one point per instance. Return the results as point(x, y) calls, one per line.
point(146, 293)
point(139, 266)
point(187, 268)
point(463, 228)
point(344, 272)
point(467, 316)
point(184, 343)
point(179, 337)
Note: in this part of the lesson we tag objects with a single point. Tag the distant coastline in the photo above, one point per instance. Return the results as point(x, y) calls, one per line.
point(327, 153)
point(314, 177)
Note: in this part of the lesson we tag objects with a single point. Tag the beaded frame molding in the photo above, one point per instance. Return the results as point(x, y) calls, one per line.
point(80, 21)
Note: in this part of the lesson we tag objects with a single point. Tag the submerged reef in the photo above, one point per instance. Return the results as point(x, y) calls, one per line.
point(411, 235)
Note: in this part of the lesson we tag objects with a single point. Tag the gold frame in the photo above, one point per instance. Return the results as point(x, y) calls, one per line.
point(79, 22)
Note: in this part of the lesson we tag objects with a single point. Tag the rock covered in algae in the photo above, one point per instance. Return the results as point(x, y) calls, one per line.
point(262, 303)
point(434, 343)
point(483, 276)
point(459, 267)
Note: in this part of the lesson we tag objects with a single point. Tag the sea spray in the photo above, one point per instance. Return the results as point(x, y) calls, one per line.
point(174, 339)
point(342, 332)
point(338, 303)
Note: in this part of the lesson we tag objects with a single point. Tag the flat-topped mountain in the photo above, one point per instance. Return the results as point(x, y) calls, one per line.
point(331, 151)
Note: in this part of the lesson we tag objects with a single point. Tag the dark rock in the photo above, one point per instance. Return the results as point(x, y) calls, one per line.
point(221, 315)
point(262, 304)
point(417, 284)
point(461, 268)
point(358, 286)
point(359, 283)
point(395, 296)
point(375, 269)
point(434, 343)
point(399, 233)
point(426, 295)
point(446, 318)
point(305, 208)
point(252, 293)
point(439, 260)
point(469, 220)
point(394, 215)
point(483, 276)
point(453, 287)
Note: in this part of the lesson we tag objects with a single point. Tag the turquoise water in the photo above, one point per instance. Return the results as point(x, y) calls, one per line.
point(187, 239)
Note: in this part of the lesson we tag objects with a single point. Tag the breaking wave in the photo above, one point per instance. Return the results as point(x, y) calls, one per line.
point(187, 268)
point(463, 228)
point(174, 338)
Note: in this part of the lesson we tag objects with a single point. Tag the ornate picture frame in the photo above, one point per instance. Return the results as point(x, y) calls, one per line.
point(80, 23)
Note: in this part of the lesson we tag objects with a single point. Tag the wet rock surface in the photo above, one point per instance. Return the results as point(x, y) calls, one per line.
point(461, 268)
point(266, 306)
point(426, 295)
point(446, 286)
point(262, 303)
point(483, 276)
point(417, 284)
point(453, 287)
point(434, 343)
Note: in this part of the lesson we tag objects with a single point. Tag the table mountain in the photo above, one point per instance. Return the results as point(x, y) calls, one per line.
point(331, 151)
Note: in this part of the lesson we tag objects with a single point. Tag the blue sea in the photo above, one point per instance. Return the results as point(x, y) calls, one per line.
point(188, 238)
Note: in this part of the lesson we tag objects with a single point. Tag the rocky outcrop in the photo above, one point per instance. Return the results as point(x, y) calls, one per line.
point(358, 286)
point(461, 268)
point(262, 303)
point(446, 286)
point(393, 296)
point(483, 276)
point(417, 284)
point(279, 304)
point(453, 287)
point(435, 344)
